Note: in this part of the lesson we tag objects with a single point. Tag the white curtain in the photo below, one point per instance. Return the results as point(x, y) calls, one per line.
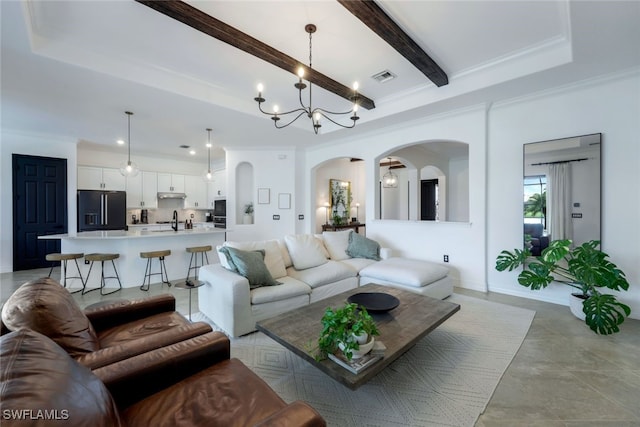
point(559, 201)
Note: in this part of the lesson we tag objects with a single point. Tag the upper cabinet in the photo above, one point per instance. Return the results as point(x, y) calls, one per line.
point(142, 190)
point(196, 192)
point(170, 183)
point(96, 178)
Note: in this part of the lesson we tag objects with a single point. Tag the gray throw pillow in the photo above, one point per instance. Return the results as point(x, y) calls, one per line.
point(361, 247)
point(250, 264)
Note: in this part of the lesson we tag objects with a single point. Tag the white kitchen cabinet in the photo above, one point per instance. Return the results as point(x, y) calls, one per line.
point(170, 183)
point(218, 188)
point(97, 178)
point(142, 190)
point(196, 190)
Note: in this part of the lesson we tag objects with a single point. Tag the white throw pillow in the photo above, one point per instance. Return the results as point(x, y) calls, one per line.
point(305, 251)
point(272, 255)
point(324, 248)
point(337, 243)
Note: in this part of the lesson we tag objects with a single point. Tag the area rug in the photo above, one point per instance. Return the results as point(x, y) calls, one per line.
point(447, 379)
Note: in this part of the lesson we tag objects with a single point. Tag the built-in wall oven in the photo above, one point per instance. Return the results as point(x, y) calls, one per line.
point(220, 213)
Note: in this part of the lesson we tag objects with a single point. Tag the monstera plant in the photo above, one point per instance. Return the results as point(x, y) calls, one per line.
point(585, 268)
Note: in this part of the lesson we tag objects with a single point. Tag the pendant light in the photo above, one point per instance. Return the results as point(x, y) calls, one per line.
point(129, 168)
point(389, 179)
point(208, 175)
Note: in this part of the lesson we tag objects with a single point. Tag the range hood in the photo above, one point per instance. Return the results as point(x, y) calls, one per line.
point(165, 195)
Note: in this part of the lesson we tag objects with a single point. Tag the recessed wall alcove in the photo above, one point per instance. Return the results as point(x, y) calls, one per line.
point(245, 189)
point(432, 183)
point(345, 169)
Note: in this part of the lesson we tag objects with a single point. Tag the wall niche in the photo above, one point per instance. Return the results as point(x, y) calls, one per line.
point(245, 191)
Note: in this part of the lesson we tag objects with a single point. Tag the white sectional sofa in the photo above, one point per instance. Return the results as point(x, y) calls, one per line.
point(307, 268)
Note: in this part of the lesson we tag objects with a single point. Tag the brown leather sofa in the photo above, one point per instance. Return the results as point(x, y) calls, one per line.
point(102, 335)
point(189, 383)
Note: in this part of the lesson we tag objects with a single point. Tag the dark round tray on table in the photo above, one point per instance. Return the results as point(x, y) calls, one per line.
point(375, 302)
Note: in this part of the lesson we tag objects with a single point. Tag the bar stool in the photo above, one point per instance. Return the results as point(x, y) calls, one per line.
point(195, 251)
point(163, 269)
point(63, 258)
point(102, 258)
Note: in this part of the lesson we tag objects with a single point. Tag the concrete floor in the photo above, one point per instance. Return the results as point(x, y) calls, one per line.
point(564, 375)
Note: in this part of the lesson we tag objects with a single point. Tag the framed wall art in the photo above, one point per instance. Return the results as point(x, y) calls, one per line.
point(264, 196)
point(284, 201)
point(340, 200)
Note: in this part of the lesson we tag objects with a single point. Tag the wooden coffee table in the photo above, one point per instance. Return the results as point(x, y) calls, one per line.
point(400, 329)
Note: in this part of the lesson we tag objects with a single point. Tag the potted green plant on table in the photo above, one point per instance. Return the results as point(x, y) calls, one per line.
point(584, 268)
point(346, 329)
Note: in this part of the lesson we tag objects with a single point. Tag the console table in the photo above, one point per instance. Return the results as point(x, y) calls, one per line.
point(355, 226)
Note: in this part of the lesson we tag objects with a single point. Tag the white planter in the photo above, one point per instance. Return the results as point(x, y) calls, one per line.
point(364, 348)
point(575, 304)
point(247, 219)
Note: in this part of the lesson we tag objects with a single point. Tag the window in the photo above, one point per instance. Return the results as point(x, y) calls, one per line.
point(535, 200)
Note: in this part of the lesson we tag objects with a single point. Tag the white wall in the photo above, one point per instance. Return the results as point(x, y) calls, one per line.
point(274, 169)
point(33, 145)
point(458, 190)
point(611, 106)
point(463, 242)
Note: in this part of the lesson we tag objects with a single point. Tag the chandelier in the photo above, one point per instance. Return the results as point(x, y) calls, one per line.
point(129, 168)
point(389, 179)
point(315, 114)
point(208, 175)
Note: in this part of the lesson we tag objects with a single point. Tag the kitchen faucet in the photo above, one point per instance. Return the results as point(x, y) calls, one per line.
point(174, 221)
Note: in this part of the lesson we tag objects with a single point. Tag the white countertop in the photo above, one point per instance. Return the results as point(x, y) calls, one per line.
point(132, 234)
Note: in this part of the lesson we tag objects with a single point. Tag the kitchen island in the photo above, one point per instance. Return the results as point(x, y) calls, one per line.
point(129, 244)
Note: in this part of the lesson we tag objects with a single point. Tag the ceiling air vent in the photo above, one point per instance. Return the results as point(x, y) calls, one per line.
point(383, 76)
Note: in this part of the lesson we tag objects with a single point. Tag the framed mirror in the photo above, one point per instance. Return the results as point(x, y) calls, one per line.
point(562, 198)
point(340, 200)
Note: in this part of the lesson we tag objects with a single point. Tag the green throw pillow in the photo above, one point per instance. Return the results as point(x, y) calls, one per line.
point(361, 247)
point(250, 264)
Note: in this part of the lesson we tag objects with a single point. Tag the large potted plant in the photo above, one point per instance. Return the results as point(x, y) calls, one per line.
point(584, 268)
point(346, 329)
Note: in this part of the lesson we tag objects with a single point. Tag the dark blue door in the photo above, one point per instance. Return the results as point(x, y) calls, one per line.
point(39, 207)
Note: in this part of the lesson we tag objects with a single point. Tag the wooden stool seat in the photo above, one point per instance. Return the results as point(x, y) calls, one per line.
point(149, 256)
point(197, 249)
point(63, 258)
point(155, 254)
point(101, 258)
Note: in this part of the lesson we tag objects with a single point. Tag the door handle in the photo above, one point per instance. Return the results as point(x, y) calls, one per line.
point(106, 209)
point(102, 209)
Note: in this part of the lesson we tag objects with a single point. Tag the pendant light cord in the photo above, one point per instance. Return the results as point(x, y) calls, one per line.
point(209, 148)
point(129, 114)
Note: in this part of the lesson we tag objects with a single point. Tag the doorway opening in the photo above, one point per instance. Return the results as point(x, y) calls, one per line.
point(429, 200)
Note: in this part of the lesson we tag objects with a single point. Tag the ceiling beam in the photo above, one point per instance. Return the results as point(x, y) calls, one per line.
point(215, 28)
point(380, 23)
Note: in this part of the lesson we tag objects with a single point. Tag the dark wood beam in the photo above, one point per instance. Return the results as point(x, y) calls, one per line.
point(379, 22)
point(213, 27)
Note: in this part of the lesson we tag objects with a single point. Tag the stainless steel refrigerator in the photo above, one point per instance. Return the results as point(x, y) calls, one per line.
point(101, 210)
